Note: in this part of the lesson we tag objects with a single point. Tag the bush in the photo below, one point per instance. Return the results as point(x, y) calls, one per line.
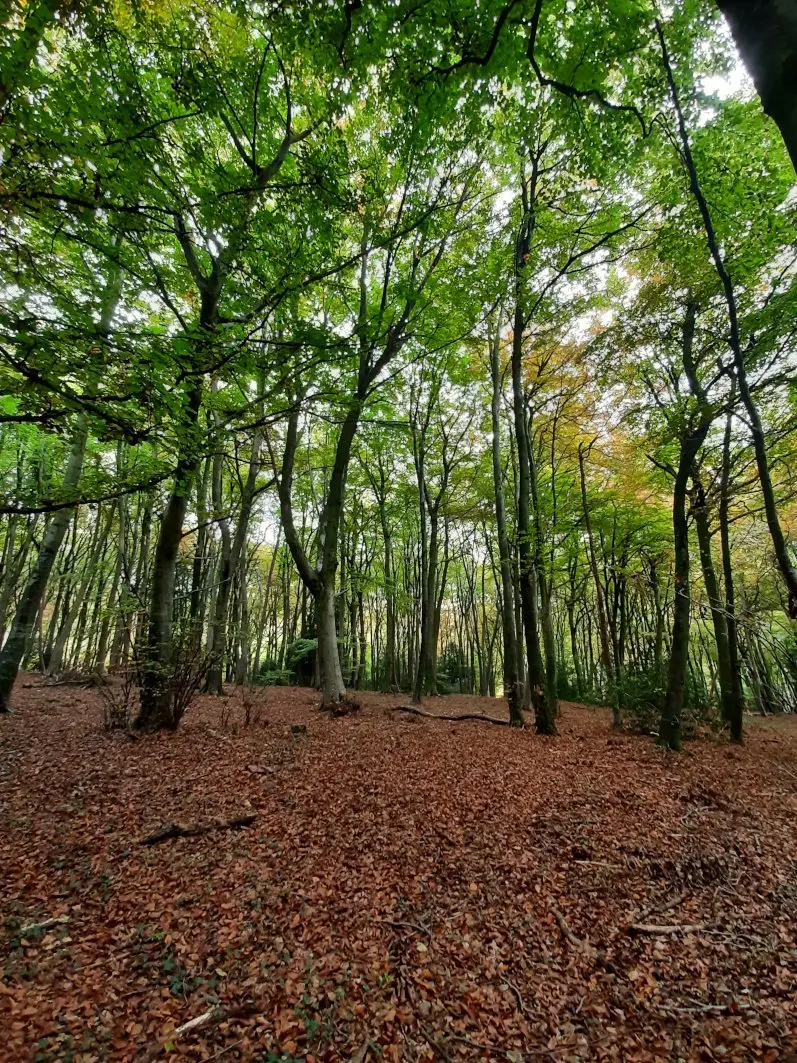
point(642, 700)
point(299, 651)
point(174, 685)
point(119, 697)
point(269, 674)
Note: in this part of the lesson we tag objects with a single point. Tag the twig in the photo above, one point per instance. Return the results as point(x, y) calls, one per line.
point(576, 942)
point(660, 906)
point(223, 1051)
point(698, 1008)
point(410, 926)
point(601, 863)
point(451, 719)
point(519, 998)
point(174, 830)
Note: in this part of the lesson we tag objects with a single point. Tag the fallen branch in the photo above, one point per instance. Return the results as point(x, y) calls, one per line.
point(675, 928)
point(211, 1017)
point(697, 1008)
point(45, 924)
point(174, 830)
point(451, 719)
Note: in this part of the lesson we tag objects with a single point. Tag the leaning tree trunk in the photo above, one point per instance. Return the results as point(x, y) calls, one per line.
point(785, 564)
point(29, 603)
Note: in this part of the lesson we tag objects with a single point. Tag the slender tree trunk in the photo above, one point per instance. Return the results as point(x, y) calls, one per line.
point(670, 728)
point(333, 691)
point(102, 528)
point(543, 719)
point(546, 605)
point(28, 608)
point(217, 631)
point(512, 680)
point(782, 557)
point(737, 698)
point(197, 599)
point(603, 623)
point(716, 607)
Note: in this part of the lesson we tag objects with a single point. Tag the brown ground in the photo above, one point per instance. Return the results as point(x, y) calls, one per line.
point(410, 889)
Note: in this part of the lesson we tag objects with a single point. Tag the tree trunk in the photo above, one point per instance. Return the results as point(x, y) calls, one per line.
point(765, 32)
point(544, 722)
point(737, 698)
point(512, 682)
point(333, 691)
point(155, 711)
point(217, 631)
point(28, 608)
point(546, 606)
point(718, 618)
point(670, 729)
point(784, 561)
point(603, 623)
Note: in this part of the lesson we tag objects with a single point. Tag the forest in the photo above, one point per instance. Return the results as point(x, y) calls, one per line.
point(398, 529)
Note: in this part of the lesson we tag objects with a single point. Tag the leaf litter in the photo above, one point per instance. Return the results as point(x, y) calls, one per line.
point(386, 887)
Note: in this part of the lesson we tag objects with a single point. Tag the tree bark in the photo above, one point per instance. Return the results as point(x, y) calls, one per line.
point(765, 32)
point(784, 561)
point(28, 608)
point(512, 681)
point(603, 623)
point(737, 698)
point(718, 619)
point(155, 711)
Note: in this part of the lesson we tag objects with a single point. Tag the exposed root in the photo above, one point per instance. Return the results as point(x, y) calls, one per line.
point(480, 717)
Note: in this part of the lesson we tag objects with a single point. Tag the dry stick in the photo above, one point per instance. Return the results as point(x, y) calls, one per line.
point(211, 1017)
point(676, 928)
point(174, 830)
point(452, 719)
point(660, 906)
point(45, 924)
point(410, 926)
point(576, 942)
point(519, 998)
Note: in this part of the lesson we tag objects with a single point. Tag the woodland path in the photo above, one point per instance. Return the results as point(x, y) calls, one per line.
point(409, 889)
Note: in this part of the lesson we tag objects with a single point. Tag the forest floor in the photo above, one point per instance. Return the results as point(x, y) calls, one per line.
point(410, 889)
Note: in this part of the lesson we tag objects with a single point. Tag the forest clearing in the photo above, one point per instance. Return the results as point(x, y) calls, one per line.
point(408, 889)
point(398, 530)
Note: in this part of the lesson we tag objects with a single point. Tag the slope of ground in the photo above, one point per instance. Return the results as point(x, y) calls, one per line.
point(409, 890)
